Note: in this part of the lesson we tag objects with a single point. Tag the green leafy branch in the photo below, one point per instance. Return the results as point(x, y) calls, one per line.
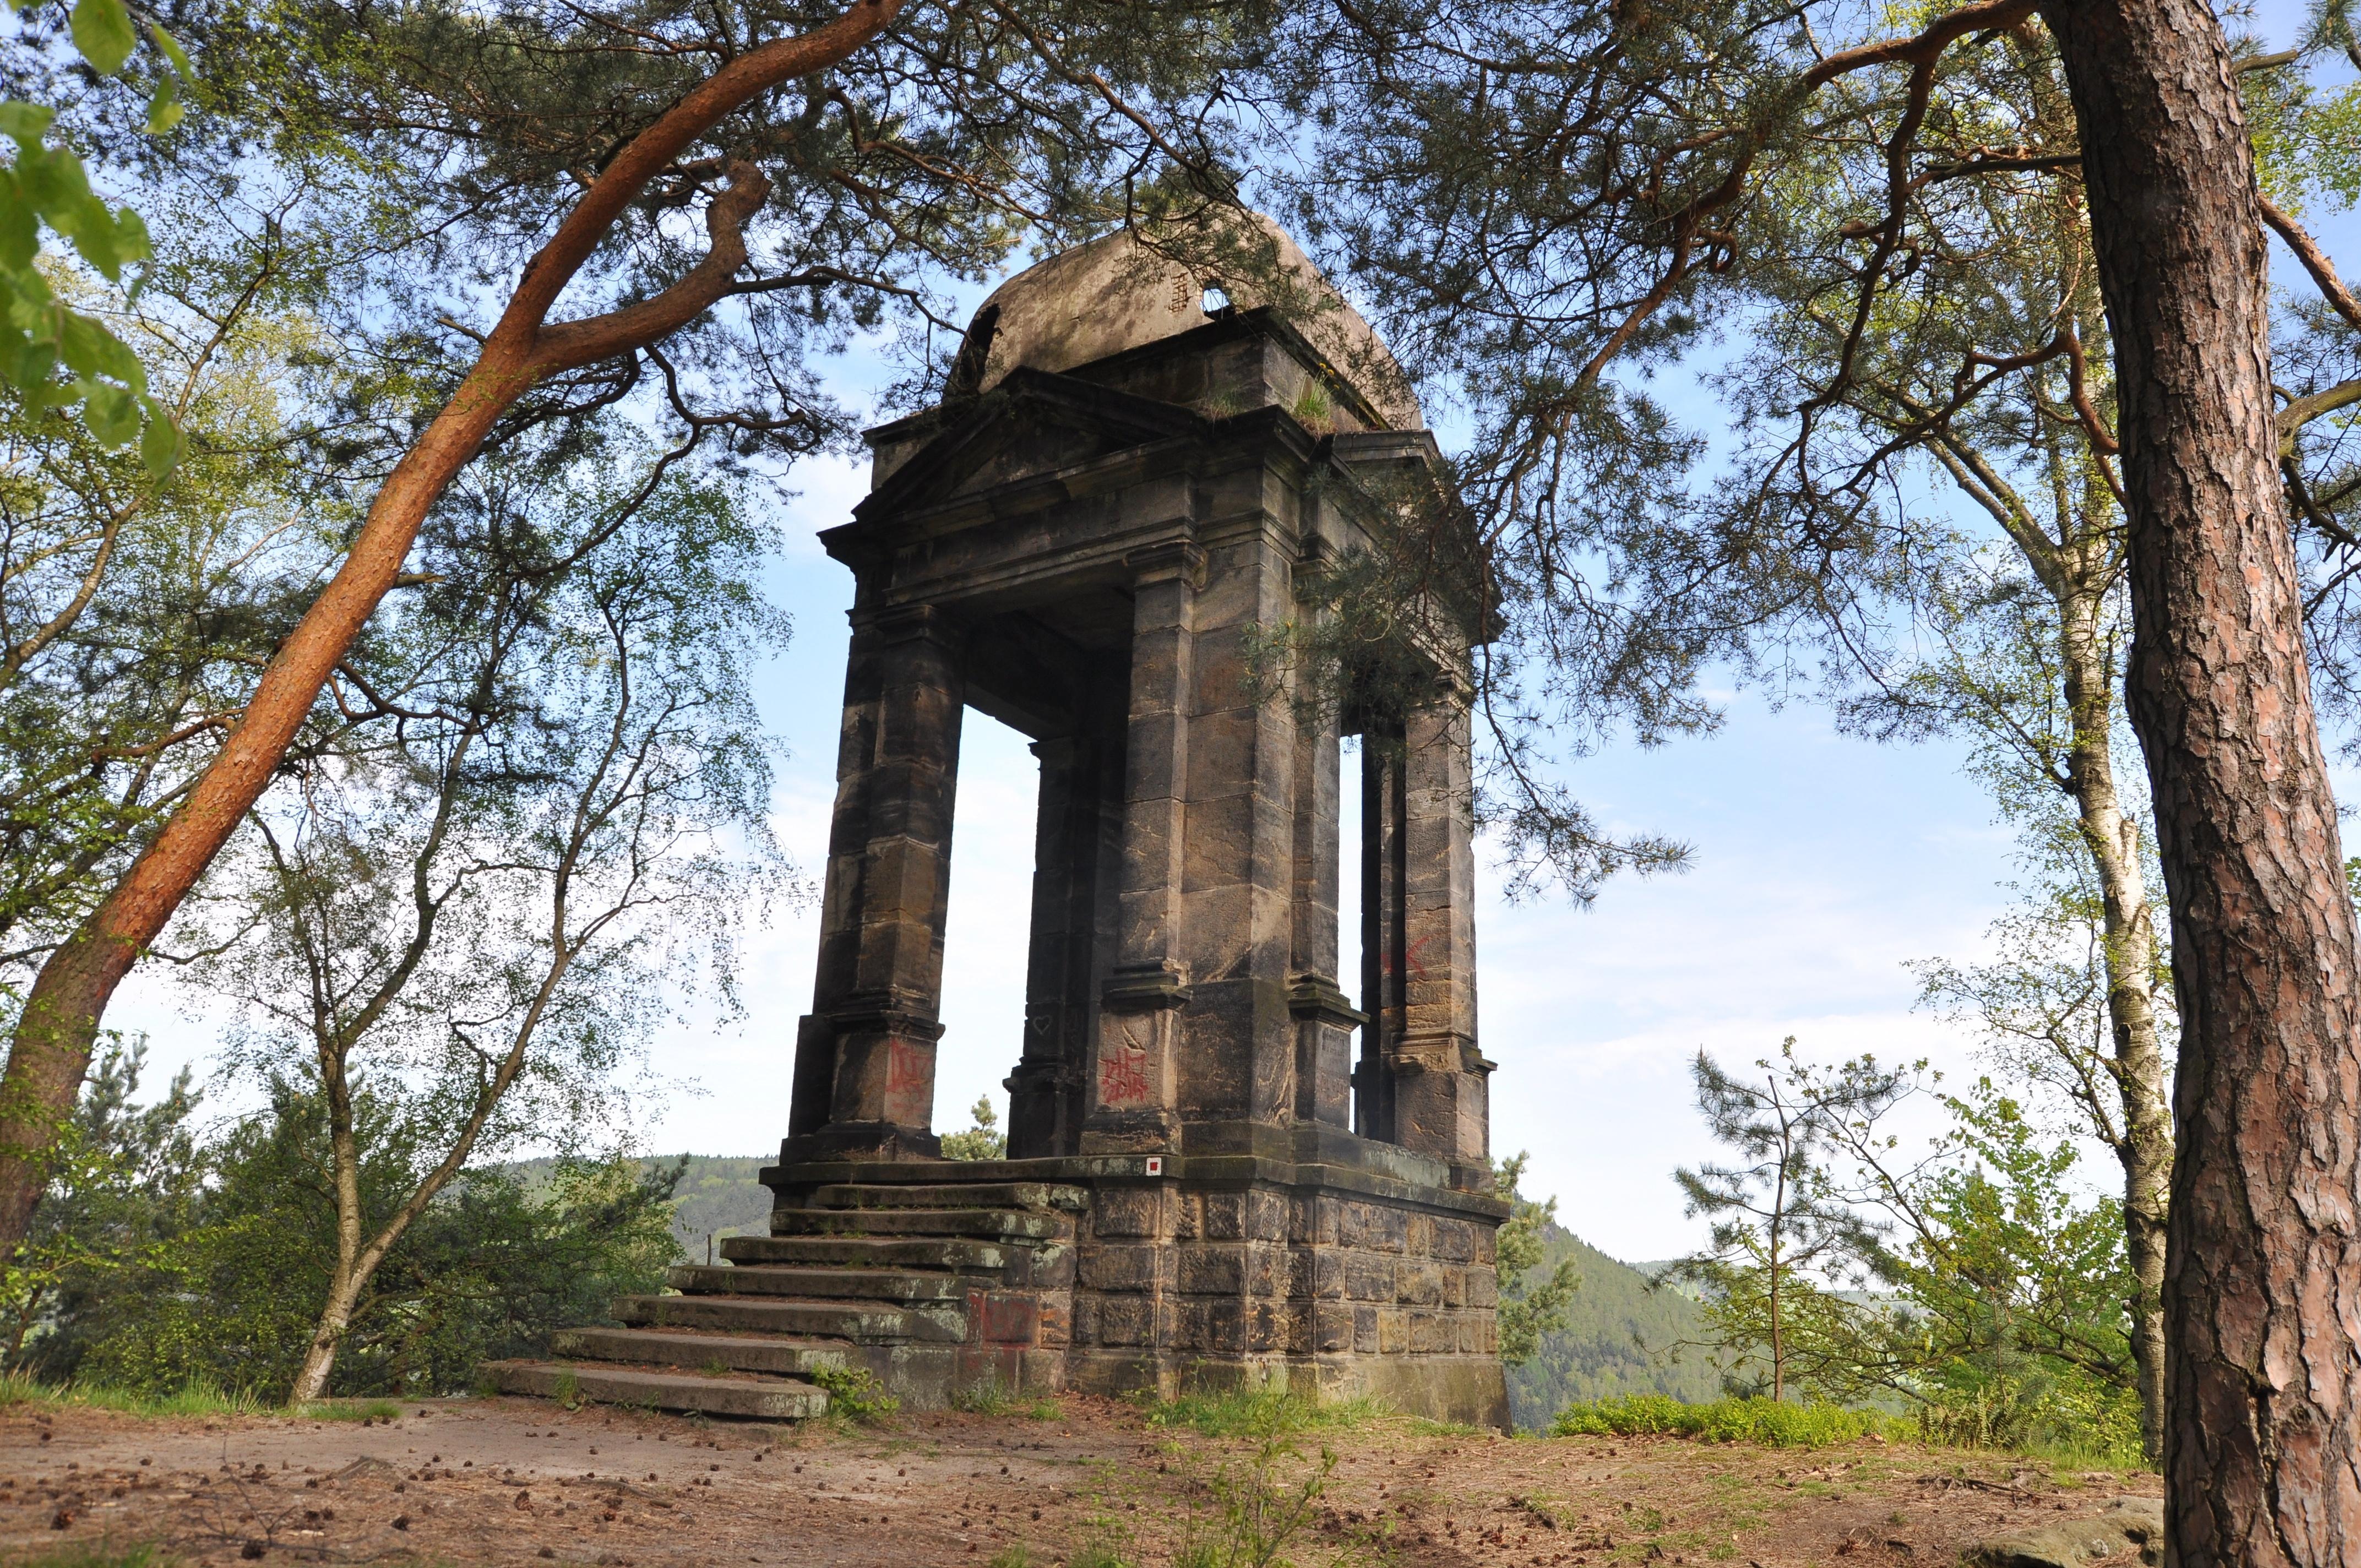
point(47, 185)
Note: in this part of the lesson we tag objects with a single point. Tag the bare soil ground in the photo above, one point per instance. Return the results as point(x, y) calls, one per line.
point(515, 1481)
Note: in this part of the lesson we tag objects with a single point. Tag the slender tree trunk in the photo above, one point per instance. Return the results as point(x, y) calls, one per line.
point(320, 1355)
point(2263, 1274)
point(51, 1050)
point(2145, 1144)
point(345, 1284)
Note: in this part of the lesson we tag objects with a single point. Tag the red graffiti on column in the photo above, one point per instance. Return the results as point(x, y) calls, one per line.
point(1122, 1071)
point(1410, 959)
point(909, 1083)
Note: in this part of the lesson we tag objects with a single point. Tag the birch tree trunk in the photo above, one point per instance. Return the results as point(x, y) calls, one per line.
point(2143, 1144)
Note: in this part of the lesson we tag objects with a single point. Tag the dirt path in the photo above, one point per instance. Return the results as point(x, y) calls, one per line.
point(513, 1481)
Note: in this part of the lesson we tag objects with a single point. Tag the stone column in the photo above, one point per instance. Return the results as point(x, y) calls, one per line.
point(1324, 1017)
point(1440, 1106)
point(1132, 1061)
point(865, 1054)
point(1045, 1093)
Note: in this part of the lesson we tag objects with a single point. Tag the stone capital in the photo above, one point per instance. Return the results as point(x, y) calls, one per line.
point(1173, 560)
point(1318, 1000)
point(1144, 988)
point(907, 623)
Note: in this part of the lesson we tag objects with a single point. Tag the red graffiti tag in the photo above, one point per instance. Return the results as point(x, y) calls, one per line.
point(1123, 1077)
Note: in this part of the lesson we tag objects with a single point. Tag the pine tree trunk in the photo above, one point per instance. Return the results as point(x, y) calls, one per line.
point(2259, 1292)
point(2145, 1141)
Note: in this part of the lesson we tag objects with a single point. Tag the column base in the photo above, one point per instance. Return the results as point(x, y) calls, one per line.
point(861, 1141)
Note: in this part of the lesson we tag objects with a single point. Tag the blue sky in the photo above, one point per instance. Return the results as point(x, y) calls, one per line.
point(1824, 865)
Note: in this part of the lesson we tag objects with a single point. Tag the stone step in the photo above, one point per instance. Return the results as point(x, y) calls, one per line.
point(952, 1195)
point(852, 1284)
point(1015, 1224)
point(973, 1257)
point(762, 1399)
point(682, 1349)
point(863, 1322)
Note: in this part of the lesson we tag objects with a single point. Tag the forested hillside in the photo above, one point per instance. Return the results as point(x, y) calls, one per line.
point(1601, 1352)
point(717, 1195)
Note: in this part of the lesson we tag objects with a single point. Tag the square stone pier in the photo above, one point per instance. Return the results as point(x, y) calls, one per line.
point(1222, 1167)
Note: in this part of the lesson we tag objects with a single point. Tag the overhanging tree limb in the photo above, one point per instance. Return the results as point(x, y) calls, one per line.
point(51, 1050)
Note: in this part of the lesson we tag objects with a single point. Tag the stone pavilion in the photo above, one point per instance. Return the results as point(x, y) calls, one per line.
point(1223, 1165)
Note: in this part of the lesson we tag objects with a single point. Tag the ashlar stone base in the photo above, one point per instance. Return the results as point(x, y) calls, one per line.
point(1217, 1271)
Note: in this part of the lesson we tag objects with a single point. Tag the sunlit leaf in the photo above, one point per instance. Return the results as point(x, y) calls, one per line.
point(159, 442)
point(102, 31)
point(112, 414)
point(165, 109)
point(172, 47)
point(26, 122)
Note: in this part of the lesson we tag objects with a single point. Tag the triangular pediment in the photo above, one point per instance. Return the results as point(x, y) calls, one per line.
point(1034, 422)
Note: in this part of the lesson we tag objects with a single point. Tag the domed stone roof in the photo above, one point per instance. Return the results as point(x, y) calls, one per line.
point(1115, 293)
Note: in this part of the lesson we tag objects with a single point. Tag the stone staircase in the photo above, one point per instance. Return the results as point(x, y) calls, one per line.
point(934, 1287)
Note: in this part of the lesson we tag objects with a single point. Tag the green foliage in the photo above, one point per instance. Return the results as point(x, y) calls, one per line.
point(1097, 1554)
point(1260, 1501)
point(716, 1196)
point(1781, 1224)
point(47, 186)
point(1624, 1333)
point(855, 1393)
point(193, 1398)
point(1529, 1308)
point(124, 1185)
point(349, 1410)
point(1999, 1317)
point(1773, 1423)
point(2012, 1332)
point(232, 1241)
point(982, 1141)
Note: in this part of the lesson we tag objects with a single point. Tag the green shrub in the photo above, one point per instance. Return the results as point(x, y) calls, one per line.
point(1773, 1423)
point(855, 1393)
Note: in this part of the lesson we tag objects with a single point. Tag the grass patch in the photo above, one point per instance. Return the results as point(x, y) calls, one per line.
point(1770, 1422)
point(96, 1554)
point(996, 1399)
point(195, 1398)
point(1264, 1412)
point(350, 1410)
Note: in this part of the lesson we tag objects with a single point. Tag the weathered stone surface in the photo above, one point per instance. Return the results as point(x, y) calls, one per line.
point(2128, 1523)
point(681, 1349)
point(759, 1399)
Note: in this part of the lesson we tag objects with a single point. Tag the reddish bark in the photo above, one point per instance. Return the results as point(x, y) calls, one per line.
point(51, 1047)
point(2263, 1276)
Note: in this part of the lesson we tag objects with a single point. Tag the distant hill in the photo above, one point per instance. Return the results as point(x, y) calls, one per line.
point(717, 1195)
point(1597, 1355)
